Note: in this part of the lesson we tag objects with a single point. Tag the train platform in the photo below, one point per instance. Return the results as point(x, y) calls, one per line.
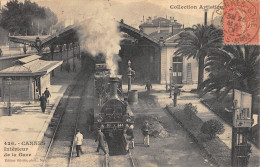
point(22, 133)
point(204, 113)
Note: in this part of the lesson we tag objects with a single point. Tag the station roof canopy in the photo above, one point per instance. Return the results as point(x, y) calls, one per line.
point(28, 59)
point(33, 68)
point(138, 34)
point(70, 34)
point(26, 39)
point(64, 36)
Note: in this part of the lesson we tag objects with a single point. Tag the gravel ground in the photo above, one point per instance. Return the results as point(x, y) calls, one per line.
point(174, 149)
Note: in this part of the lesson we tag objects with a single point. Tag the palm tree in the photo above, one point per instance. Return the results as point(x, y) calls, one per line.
point(232, 67)
point(196, 42)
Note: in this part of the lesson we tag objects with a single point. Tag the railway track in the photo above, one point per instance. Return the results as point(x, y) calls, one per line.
point(60, 148)
point(123, 160)
point(117, 156)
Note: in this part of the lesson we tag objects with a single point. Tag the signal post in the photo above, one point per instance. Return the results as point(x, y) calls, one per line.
point(242, 122)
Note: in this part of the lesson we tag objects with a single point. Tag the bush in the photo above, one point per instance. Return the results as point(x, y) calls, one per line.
point(212, 127)
point(190, 110)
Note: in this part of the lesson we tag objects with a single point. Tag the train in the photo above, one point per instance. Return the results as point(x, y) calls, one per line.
point(112, 113)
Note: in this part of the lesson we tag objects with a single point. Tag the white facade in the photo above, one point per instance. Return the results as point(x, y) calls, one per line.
point(167, 54)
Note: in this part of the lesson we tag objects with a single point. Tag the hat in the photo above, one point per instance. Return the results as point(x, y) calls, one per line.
point(131, 127)
point(77, 130)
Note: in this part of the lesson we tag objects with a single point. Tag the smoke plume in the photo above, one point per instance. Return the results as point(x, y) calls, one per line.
point(100, 33)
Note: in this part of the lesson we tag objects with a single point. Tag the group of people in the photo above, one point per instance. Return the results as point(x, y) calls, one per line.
point(100, 138)
point(44, 99)
point(128, 134)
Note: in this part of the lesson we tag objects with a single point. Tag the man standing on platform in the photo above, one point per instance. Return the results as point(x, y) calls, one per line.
point(47, 94)
point(78, 140)
point(101, 141)
point(148, 86)
point(130, 133)
point(43, 101)
point(145, 131)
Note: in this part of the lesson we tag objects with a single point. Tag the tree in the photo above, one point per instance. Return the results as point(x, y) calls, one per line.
point(232, 67)
point(26, 18)
point(196, 42)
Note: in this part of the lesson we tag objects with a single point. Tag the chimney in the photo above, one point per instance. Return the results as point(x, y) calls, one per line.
point(113, 81)
point(175, 21)
point(171, 19)
point(161, 41)
point(205, 18)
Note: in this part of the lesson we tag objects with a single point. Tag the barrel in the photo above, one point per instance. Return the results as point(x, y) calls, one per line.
point(133, 97)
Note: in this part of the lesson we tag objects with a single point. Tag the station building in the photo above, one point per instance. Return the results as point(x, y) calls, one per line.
point(30, 76)
point(184, 71)
point(150, 49)
point(161, 25)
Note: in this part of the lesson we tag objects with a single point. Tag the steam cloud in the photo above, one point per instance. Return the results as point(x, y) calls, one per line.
point(100, 34)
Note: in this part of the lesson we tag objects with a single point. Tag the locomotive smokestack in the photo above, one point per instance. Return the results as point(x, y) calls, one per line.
point(113, 87)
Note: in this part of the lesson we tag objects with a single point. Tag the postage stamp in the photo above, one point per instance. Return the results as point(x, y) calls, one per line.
point(241, 22)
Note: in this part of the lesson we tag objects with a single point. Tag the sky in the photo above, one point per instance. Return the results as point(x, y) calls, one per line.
point(133, 11)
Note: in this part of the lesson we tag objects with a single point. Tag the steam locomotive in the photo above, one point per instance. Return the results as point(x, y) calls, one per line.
point(112, 113)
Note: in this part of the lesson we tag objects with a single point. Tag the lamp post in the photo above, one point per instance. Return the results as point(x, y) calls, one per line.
point(8, 81)
point(170, 82)
point(129, 75)
point(61, 48)
point(176, 92)
point(74, 66)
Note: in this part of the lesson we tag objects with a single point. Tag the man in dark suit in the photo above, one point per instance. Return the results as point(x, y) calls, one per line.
point(101, 141)
point(148, 86)
point(43, 101)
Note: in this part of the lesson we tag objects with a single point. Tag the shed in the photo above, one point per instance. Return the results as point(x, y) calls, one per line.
point(30, 76)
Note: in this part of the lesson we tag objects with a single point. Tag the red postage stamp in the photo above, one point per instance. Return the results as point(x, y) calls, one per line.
point(241, 22)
